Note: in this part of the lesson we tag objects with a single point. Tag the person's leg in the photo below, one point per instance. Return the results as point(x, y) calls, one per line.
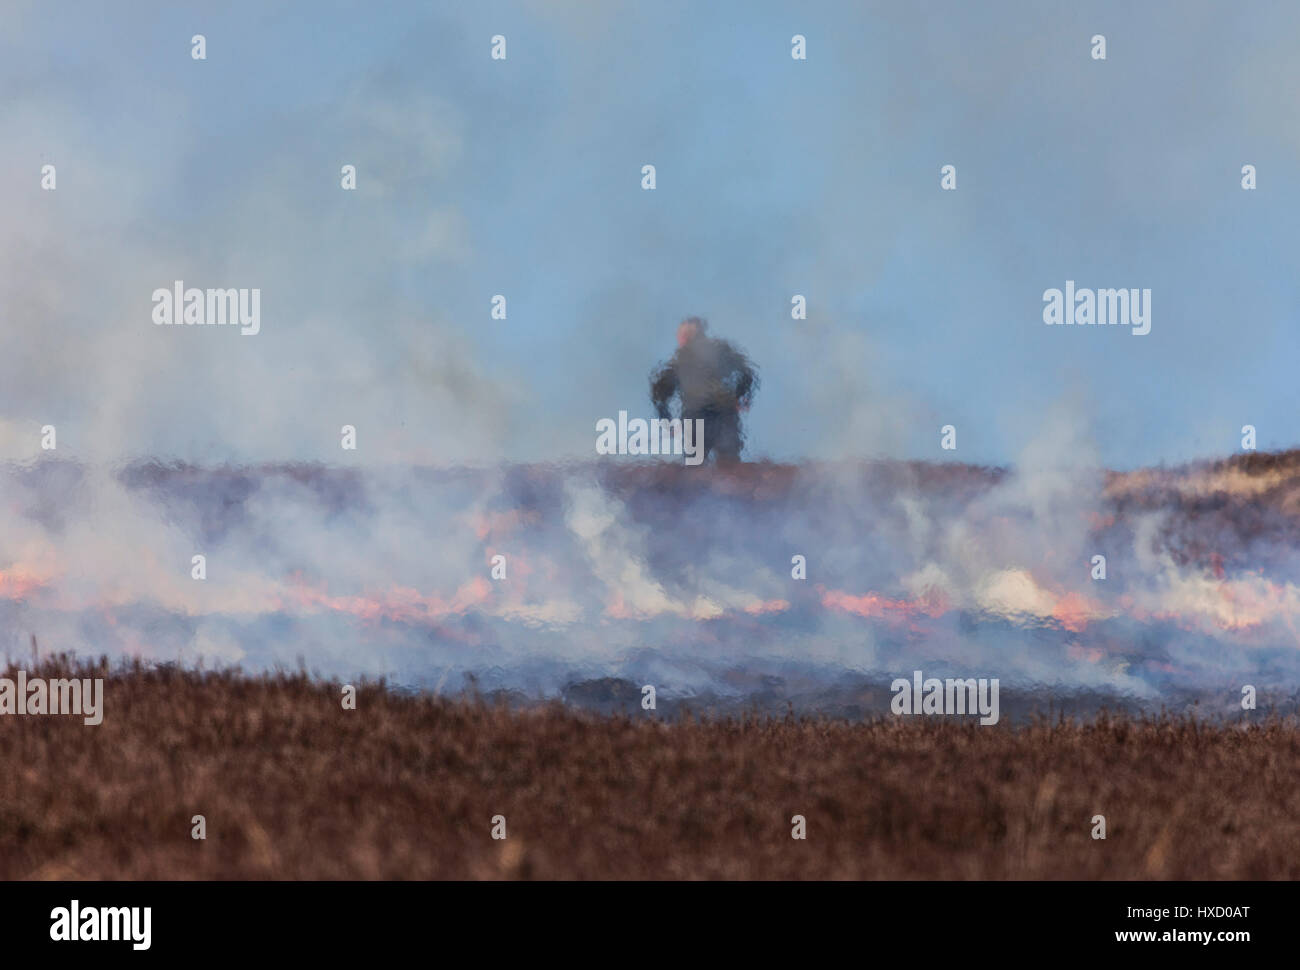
point(706, 430)
point(725, 432)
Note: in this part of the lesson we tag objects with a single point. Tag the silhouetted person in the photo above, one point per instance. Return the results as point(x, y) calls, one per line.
point(715, 382)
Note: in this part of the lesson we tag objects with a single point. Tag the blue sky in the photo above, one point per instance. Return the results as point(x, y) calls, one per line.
point(522, 177)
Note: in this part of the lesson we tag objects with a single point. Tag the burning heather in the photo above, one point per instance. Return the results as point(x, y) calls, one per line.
point(586, 581)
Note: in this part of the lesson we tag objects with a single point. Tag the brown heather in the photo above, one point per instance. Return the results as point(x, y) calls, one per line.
point(405, 787)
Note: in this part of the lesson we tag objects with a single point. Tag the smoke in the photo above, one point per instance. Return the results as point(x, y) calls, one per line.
point(680, 577)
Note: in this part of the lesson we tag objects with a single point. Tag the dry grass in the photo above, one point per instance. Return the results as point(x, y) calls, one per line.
point(294, 787)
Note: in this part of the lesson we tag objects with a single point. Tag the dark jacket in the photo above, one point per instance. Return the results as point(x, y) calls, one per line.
point(710, 375)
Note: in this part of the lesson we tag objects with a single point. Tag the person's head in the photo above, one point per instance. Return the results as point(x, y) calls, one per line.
point(689, 329)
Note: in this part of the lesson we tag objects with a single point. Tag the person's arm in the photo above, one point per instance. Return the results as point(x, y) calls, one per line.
point(742, 372)
point(744, 385)
point(663, 385)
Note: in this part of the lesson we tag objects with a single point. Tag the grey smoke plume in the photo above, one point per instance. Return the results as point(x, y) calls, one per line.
point(678, 577)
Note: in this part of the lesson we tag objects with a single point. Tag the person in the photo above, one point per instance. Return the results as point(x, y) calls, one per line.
point(713, 380)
